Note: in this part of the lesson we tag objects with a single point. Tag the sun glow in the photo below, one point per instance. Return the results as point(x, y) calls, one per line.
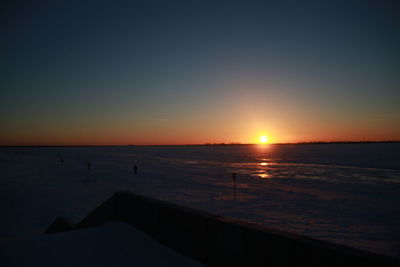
point(264, 139)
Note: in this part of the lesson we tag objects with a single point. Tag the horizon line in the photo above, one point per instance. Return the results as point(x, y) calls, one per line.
point(213, 144)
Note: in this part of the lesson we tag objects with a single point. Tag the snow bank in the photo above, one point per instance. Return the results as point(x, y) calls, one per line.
point(112, 244)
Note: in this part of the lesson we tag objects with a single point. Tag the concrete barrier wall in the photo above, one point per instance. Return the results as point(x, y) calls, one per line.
point(220, 241)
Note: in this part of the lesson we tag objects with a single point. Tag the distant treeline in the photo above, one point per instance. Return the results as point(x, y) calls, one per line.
point(343, 142)
point(309, 143)
point(298, 143)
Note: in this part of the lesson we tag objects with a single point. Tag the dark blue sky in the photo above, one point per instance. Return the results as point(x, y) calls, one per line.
point(114, 72)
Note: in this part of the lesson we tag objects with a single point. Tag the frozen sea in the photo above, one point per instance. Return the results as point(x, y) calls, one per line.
point(344, 193)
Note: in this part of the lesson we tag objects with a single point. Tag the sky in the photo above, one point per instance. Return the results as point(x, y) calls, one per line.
point(194, 72)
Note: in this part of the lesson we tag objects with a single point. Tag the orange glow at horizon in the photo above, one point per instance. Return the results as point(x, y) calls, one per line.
point(247, 128)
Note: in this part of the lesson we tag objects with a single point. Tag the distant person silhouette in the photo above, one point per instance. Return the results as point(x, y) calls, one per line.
point(90, 175)
point(135, 169)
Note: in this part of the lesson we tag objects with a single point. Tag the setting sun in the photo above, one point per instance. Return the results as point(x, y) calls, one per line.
point(264, 139)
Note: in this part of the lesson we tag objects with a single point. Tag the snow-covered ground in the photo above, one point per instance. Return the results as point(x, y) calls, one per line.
point(112, 244)
point(348, 194)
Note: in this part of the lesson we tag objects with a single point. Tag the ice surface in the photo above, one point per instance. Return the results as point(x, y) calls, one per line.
point(348, 194)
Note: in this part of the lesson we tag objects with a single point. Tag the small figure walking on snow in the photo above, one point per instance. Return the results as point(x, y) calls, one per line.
point(89, 175)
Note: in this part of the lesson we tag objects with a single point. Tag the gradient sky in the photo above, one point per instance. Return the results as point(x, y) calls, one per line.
point(180, 72)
